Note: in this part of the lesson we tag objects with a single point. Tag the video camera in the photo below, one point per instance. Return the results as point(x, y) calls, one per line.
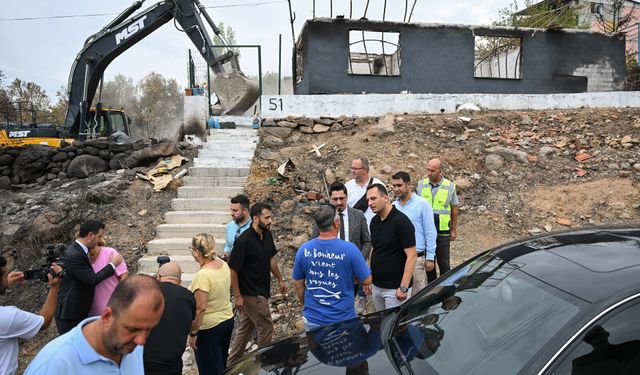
point(51, 253)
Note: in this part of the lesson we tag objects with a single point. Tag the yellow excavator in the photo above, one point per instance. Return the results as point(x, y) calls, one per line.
point(236, 93)
point(111, 120)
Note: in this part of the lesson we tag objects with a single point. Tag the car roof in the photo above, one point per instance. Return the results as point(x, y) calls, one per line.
point(594, 264)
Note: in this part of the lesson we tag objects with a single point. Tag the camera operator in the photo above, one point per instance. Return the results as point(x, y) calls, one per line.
point(17, 324)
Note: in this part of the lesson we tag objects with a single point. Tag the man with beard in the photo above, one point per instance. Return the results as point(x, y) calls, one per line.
point(239, 209)
point(112, 342)
point(394, 250)
point(251, 261)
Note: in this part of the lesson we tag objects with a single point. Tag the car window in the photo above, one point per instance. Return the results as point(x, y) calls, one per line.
point(491, 318)
point(611, 347)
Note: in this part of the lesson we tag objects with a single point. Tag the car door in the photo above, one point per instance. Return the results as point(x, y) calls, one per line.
point(609, 345)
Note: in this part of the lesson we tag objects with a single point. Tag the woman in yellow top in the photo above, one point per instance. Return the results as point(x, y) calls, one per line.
point(211, 330)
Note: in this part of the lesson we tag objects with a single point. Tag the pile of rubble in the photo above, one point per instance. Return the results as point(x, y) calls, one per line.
point(37, 164)
point(518, 173)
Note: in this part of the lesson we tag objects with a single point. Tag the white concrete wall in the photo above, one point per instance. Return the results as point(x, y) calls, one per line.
point(275, 106)
point(196, 110)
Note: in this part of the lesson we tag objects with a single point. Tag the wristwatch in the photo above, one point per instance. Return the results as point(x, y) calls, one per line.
point(404, 289)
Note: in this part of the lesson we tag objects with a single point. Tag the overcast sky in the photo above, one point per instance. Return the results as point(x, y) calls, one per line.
point(43, 50)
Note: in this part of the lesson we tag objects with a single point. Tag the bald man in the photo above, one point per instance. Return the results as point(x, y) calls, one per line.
point(111, 342)
point(163, 352)
point(441, 194)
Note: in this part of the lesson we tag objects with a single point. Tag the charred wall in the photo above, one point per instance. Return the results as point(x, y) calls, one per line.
point(442, 59)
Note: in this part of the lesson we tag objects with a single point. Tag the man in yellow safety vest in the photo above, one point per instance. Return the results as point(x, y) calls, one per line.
point(441, 194)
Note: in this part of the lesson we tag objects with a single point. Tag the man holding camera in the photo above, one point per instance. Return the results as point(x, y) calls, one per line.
point(17, 324)
point(77, 288)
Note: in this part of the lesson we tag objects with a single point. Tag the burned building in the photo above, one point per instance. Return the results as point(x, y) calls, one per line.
point(335, 56)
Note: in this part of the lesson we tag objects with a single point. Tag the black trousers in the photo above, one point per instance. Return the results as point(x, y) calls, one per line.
point(442, 257)
point(213, 348)
point(65, 325)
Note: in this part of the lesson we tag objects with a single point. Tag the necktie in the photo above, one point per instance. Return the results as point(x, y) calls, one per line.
point(341, 225)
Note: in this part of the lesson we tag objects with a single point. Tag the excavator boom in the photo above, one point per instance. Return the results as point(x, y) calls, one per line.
point(236, 92)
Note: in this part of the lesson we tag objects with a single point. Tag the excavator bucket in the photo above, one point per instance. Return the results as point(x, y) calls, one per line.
point(236, 92)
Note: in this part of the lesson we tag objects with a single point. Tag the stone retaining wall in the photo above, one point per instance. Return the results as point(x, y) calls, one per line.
point(21, 166)
point(274, 130)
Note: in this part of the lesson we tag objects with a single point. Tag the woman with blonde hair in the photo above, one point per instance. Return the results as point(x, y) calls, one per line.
point(99, 258)
point(211, 330)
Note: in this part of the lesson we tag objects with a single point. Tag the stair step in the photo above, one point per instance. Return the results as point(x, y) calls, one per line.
point(200, 204)
point(214, 181)
point(226, 154)
point(190, 230)
point(210, 171)
point(177, 246)
point(208, 192)
point(223, 161)
point(149, 264)
point(197, 217)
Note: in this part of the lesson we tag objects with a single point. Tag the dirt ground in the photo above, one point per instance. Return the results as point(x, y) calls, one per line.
point(549, 191)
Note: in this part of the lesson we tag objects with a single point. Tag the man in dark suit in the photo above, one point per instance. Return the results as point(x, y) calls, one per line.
point(76, 290)
point(353, 228)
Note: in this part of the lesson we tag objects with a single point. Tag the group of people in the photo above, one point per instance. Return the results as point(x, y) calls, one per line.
point(363, 244)
point(366, 242)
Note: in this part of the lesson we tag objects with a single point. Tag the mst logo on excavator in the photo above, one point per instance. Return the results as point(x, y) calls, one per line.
point(130, 30)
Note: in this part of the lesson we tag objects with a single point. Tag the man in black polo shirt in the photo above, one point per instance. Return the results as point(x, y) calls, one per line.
point(250, 262)
point(394, 250)
point(167, 341)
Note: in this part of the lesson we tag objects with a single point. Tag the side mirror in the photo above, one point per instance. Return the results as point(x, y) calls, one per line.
point(128, 120)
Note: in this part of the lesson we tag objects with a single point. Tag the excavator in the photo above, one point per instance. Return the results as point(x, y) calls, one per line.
point(236, 93)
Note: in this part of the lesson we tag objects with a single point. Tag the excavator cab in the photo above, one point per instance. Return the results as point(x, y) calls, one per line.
point(109, 121)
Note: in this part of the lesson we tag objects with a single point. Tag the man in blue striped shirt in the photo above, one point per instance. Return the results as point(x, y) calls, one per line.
point(419, 211)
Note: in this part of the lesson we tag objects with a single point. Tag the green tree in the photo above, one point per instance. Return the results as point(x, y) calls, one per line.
point(541, 15)
point(59, 110)
point(6, 110)
point(614, 16)
point(32, 99)
point(270, 84)
point(227, 37)
point(160, 105)
point(119, 92)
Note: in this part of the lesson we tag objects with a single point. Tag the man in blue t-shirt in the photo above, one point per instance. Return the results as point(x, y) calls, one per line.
point(324, 272)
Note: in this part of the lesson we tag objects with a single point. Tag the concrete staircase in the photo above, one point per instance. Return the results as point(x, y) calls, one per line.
point(202, 205)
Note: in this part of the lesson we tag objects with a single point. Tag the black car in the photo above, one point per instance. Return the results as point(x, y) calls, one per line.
point(566, 303)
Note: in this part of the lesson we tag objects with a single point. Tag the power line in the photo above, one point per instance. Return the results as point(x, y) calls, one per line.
point(115, 14)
